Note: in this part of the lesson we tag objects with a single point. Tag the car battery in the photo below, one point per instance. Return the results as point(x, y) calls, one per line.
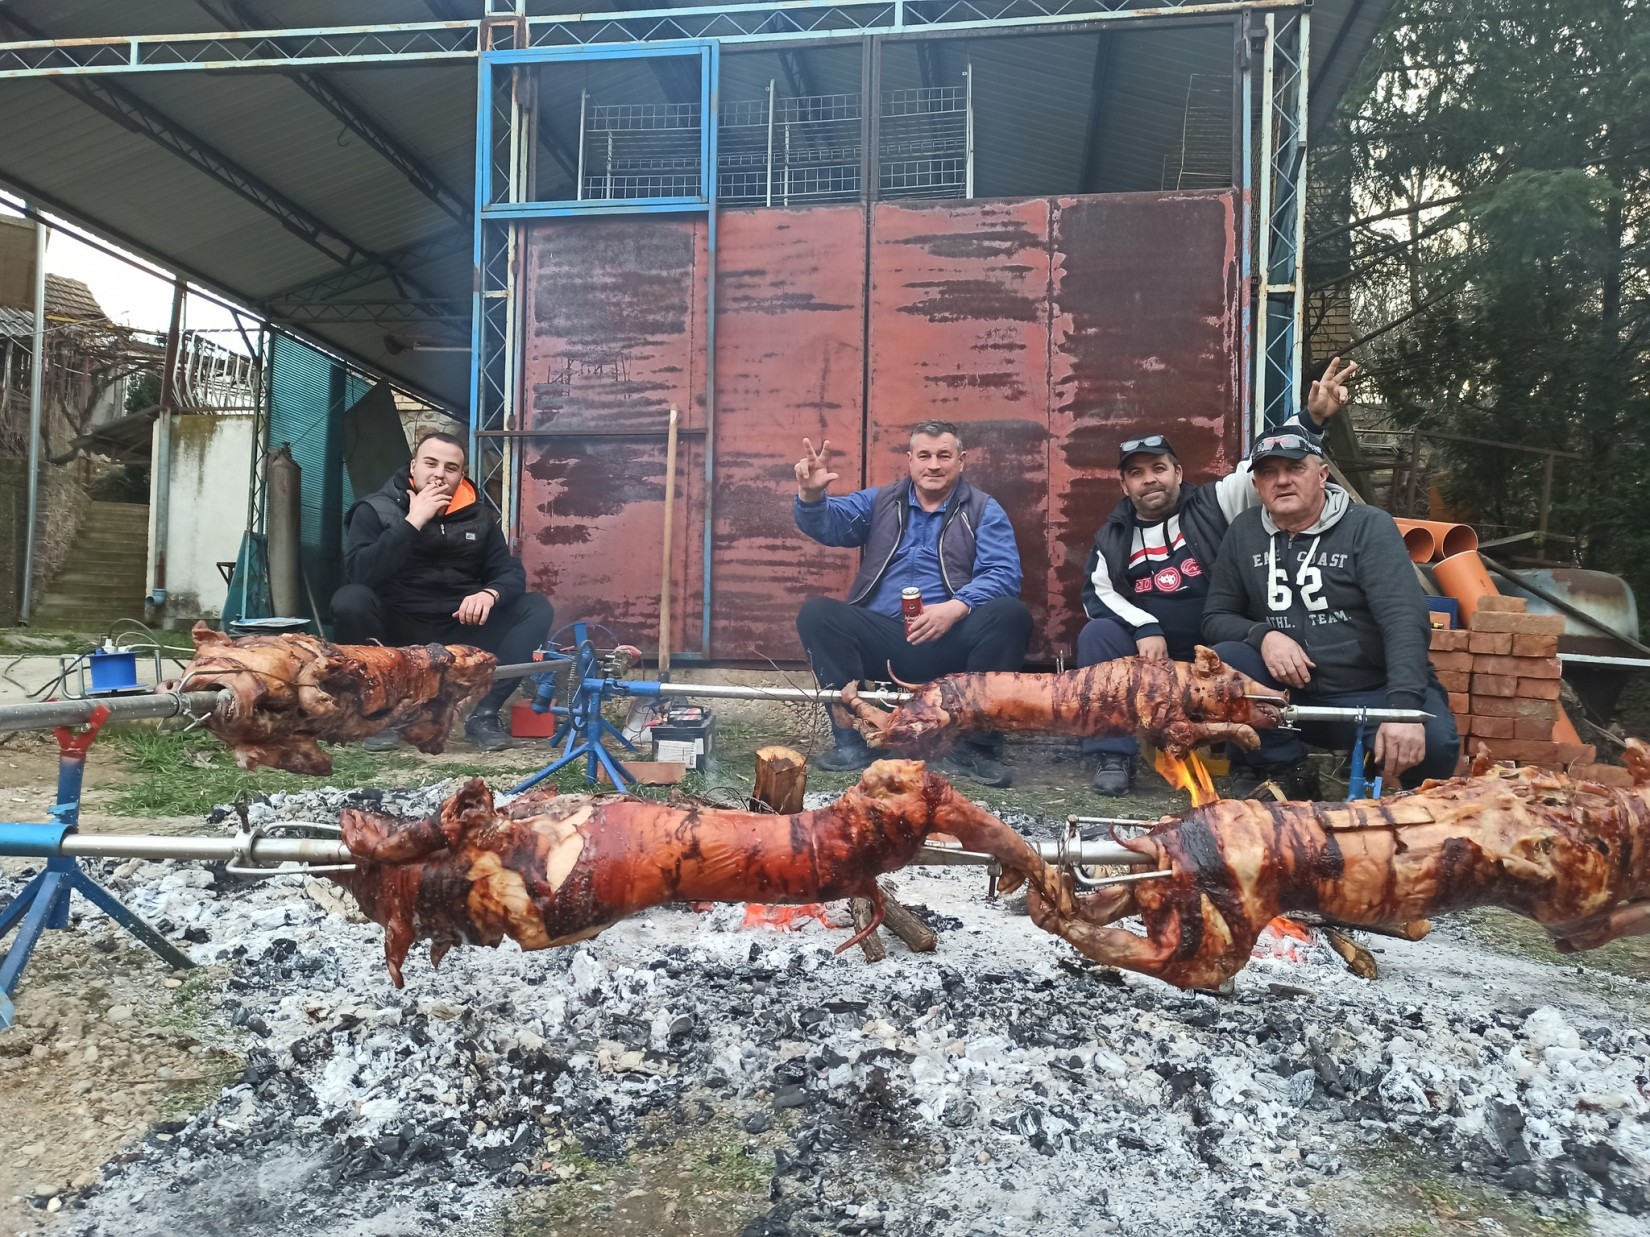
point(685, 735)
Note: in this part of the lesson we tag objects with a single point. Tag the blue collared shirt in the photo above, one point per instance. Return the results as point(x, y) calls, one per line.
point(846, 521)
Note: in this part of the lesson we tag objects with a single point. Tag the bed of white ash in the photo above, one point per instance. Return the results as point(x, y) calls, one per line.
point(1001, 1085)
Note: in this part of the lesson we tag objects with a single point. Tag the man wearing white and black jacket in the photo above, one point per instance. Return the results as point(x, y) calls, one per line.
point(1316, 594)
point(1148, 572)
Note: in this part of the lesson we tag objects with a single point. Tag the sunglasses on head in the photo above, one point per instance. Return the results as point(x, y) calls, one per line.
point(1282, 442)
point(1151, 440)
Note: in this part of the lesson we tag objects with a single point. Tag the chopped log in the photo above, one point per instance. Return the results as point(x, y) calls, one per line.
point(918, 936)
point(781, 781)
point(863, 912)
point(1358, 959)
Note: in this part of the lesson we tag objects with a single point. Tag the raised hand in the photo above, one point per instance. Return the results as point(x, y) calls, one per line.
point(813, 471)
point(1328, 395)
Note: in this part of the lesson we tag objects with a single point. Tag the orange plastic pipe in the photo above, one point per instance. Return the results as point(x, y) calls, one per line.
point(1418, 540)
point(1463, 577)
point(1448, 539)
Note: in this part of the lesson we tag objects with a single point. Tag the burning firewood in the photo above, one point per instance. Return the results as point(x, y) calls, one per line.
point(1180, 705)
point(283, 693)
point(1570, 854)
point(550, 870)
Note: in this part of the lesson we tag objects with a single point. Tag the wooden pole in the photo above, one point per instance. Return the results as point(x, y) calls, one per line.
point(781, 781)
point(664, 571)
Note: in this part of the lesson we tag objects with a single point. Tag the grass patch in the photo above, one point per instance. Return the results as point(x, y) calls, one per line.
point(184, 1099)
point(1515, 935)
point(1407, 1196)
point(706, 1183)
point(191, 1000)
point(187, 773)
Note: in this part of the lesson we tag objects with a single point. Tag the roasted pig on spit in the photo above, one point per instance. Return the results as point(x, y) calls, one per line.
point(1572, 855)
point(1179, 704)
point(283, 693)
point(552, 869)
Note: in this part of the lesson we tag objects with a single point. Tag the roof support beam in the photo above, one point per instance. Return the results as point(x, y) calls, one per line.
point(128, 110)
point(797, 73)
point(353, 116)
point(373, 270)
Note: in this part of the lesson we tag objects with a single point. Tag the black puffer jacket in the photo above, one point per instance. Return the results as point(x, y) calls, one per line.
point(427, 571)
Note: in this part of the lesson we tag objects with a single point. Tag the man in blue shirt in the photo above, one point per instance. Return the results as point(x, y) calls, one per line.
point(934, 532)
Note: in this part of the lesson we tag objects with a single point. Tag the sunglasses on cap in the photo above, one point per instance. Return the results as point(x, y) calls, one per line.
point(1152, 442)
point(1290, 446)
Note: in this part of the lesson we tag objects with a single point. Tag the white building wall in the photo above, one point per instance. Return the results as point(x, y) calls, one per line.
point(211, 463)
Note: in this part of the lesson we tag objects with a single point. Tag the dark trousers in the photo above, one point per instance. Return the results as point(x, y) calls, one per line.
point(848, 643)
point(1287, 747)
point(1105, 639)
point(511, 633)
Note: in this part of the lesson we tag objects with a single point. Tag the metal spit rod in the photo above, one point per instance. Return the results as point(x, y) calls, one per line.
point(258, 849)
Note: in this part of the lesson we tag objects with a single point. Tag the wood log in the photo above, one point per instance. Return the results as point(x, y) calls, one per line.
point(918, 936)
point(875, 950)
point(781, 781)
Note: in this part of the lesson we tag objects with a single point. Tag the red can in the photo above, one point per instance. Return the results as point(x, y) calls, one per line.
point(910, 605)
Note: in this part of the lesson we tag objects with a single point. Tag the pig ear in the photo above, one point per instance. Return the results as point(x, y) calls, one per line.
point(1208, 661)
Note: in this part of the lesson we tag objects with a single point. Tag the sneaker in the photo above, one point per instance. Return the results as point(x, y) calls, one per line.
point(1113, 776)
point(1298, 782)
point(844, 758)
point(977, 765)
point(383, 741)
point(485, 734)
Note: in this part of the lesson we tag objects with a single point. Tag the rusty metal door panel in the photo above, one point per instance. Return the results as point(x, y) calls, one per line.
point(959, 330)
point(1146, 339)
point(615, 335)
point(593, 532)
point(790, 333)
point(615, 324)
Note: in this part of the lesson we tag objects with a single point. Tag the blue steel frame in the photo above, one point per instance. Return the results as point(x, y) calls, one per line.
point(44, 902)
point(502, 178)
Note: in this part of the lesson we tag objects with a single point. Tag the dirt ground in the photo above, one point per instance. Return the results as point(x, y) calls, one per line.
point(110, 1046)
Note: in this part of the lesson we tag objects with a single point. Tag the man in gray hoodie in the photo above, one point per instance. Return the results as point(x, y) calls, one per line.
point(1316, 594)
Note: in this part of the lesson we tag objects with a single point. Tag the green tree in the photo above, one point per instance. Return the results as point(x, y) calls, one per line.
point(143, 391)
point(1499, 154)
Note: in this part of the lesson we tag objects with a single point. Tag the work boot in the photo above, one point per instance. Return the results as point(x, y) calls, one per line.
point(1114, 775)
point(850, 755)
point(484, 733)
point(978, 764)
point(383, 741)
point(1298, 782)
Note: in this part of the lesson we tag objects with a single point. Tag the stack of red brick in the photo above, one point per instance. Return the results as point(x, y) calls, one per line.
point(1502, 674)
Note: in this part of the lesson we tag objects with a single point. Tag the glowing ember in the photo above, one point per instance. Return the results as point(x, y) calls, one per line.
point(1190, 775)
point(786, 918)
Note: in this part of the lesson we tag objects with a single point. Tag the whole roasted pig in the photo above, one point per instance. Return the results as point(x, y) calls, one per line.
point(283, 693)
point(1179, 704)
point(1572, 855)
point(553, 869)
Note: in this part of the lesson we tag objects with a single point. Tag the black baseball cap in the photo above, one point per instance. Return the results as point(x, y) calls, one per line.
point(1151, 444)
point(1287, 445)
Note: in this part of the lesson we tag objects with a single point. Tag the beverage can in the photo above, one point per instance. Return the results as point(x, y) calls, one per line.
point(910, 604)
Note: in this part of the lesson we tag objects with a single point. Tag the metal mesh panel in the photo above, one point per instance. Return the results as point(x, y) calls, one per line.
point(309, 392)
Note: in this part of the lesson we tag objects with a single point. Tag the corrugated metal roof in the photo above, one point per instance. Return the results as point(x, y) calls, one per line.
point(1033, 101)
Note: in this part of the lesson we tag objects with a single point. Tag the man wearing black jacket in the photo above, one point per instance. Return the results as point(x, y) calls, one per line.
point(1317, 594)
point(425, 563)
point(1148, 573)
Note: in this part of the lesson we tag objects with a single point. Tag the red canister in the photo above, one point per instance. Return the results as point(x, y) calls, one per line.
point(910, 605)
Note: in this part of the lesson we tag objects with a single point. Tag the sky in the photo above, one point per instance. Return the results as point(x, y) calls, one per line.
point(133, 295)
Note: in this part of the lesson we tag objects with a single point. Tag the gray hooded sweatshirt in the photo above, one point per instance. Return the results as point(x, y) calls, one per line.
point(1344, 589)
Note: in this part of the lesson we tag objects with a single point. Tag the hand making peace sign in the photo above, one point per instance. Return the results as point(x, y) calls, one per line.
point(1328, 395)
point(813, 471)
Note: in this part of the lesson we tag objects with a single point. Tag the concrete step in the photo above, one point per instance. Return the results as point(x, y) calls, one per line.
point(119, 564)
